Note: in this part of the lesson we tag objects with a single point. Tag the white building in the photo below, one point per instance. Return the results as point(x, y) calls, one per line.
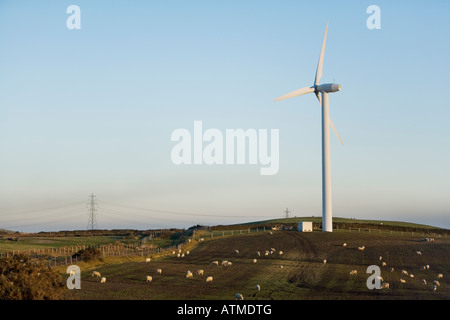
point(305, 226)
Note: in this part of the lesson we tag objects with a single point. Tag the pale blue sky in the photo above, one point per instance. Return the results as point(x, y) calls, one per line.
point(92, 110)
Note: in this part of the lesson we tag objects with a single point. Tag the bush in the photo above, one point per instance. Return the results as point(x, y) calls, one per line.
point(88, 254)
point(24, 278)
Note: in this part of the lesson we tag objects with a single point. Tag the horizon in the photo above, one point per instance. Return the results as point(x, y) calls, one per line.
point(92, 110)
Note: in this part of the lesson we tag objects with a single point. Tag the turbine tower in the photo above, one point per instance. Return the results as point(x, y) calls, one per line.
point(321, 92)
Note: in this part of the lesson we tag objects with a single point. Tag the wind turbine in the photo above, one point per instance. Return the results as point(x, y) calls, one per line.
point(321, 92)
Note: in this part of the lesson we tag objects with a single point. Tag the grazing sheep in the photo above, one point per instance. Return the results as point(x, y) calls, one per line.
point(267, 253)
point(281, 267)
point(344, 244)
point(201, 239)
point(189, 274)
point(324, 261)
point(270, 232)
point(353, 272)
point(434, 288)
point(158, 271)
point(383, 264)
point(385, 285)
point(423, 267)
point(148, 260)
point(428, 266)
point(103, 280)
point(436, 283)
point(424, 281)
point(200, 272)
point(236, 251)
point(215, 263)
point(280, 253)
point(228, 264)
point(404, 272)
point(149, 279)
point(182, 255)
point(178, 255)
point(72, 272)
point(254, 260)
point(381, 258)
point(402, 281)
point(392, 269)
point(258, 288)
point(361, 248)
point(418, 253)
point(209, 279)
point(187, 252)
point(411, 275)
point(258, 253)
point(440, 276)
point(239, 296)
point(173, 252)
point(96, 274)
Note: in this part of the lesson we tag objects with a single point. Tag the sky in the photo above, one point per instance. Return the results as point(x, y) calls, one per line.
point(92, 111)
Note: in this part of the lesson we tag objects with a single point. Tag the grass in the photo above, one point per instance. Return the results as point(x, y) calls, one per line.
point(303, 276)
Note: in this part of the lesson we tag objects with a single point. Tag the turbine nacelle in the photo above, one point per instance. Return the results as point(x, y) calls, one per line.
point(328, 87)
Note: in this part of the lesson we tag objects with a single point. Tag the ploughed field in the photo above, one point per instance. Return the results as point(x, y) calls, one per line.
point(299, 273)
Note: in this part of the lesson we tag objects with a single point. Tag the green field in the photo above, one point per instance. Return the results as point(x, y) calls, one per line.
point(303, 276)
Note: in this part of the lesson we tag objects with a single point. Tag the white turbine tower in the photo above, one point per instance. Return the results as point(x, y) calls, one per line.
point(323, 89)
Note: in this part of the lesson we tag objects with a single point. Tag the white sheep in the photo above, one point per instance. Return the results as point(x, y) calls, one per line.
point(361, 248)
point(239, 296)
point(383, 264)
point(418, 253)
point(189, 274)
point(423, 267)
point(236, 251)
point(187, 252)
point(215, 263)
point(440, 276)
point(182, 255)
point(353, 272)
point(103, 280)
point(381, 258)
point(385, 285)
point(178, 255)
point(149, 278)
point(324, 261)
point(200, 272)
point(344, 244)
point(411, 275)
point(224, 262)
point(280, 253)
point(436, 283)
point(258, 253)
point(148, 260)
point(434, 288)
point(158, 271)
point(428, 266)
point(281, 267)
point(173, 252)
point(258, 287)
point(405, 272)
point(424, 281)
point(254, 260)
point(402, 281)
point(392, 269)
point(209, 279)
point(96, 274)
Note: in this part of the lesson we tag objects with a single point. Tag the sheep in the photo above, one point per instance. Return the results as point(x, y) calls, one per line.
point(258, 288)
point(187, 252)
point(224, 262)
point(266, 253)
point(178, 255)
point(200, 272)
point(361, 248)
point(182, 255)
point(173, 252)
point(158, 271)
point(209, 279)
point(344, 244)
point(324, 261)
point(423, 267)
point(148, 260)
point(385, 285)
point(402, 281)
point(436, 283)
point(189, 274)
point(411, 275)
point(239, 296)
point(353, 272)
point(96, 274)
point(201, 239)
point(405, 272)
point(383, 264)
point(440, 276)
point(424, 281)
point(254, 260)
point(215, 263)
point(103, 280)
point(228, 263)
point(418, 253)
point(434, 288)
point(392, 269)
point(236, 251)
point(381, 258)
point(72, 272)
point(428, 266)
point(258, 253)
point(281, 267)
point(149, 278)
point(280, 253)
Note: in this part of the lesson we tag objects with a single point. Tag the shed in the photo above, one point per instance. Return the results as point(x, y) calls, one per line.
point(305, 226)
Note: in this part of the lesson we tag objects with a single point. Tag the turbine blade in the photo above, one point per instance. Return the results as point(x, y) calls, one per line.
point(319, 97)
point(335, 131)
point(296, 93)
point(322, 53)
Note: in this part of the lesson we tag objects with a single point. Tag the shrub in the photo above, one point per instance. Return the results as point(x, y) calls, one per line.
point(88, 254)
point(24, 278)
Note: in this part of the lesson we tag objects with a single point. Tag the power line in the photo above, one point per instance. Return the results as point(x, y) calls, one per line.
point(287, 212)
